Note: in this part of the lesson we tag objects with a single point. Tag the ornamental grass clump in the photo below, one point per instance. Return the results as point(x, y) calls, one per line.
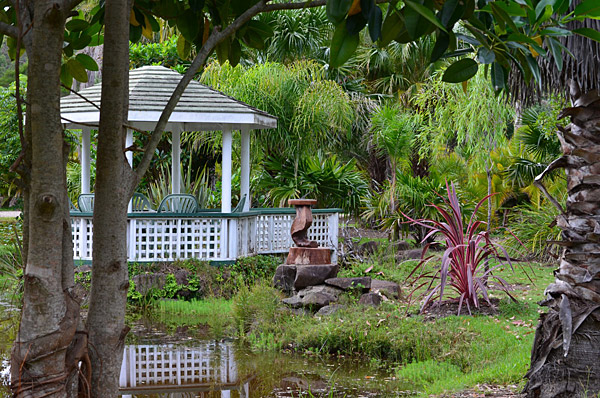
point(465, 263)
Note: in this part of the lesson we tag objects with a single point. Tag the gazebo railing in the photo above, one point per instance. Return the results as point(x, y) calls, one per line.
point(211, 236)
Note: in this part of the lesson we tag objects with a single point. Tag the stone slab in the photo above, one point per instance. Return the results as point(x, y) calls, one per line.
point(314, 274)
point(317, 300)
point(284, 278)
point(308, 255)
point(350, 283)
point(332, 291)
point(372, 299)
point(390, 289)
point(329, 309)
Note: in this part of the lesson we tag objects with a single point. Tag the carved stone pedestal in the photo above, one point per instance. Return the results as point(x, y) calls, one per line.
point(309, 255)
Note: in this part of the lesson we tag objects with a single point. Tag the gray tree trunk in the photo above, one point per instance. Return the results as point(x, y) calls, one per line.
point(114, 187)
point(46, 351)
point(565, 356)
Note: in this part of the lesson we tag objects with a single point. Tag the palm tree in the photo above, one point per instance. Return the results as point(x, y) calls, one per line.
point(564, 360)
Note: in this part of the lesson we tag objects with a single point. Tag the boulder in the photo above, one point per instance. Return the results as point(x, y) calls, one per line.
point(284, 278)
point(401, 246)
point(414, 254)
point(294, 301)
point(368, 248)
point(332, 291)
point(317, 300)
point(311, 275)
point(372, 299)
point(329, 309)
point(350, 283)
point(390, 289)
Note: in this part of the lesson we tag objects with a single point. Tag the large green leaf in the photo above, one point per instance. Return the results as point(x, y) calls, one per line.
point(416, 24)
point(184, 48)
point(367, 7)
point(426, 13)
point(343, 46)
point(65, 77)
point(485, 56)
point(87, 62)
point(535, 69)
point(375, 22)
point(337, 10)
point(77, 25)
point(83, 41)
point(540, 8)
point(503, 17)
point(441, 45)
point(556, 52)
point(498, 76)
point(588, 8)
point(77, 70)
point(355, 23)
point(450, 13)
point(263, 29)
point(223, 51)
point(460, 71)
point(235, 53)
point(589, 33)
point(253, 40)
point(188, 25)
point(392, 26)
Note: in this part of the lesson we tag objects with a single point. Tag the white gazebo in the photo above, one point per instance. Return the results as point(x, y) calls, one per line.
point(208, 235)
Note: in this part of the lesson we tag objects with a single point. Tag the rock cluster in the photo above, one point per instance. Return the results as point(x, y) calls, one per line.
point(322, 296)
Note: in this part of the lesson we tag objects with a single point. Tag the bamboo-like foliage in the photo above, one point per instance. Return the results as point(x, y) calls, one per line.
point(314, 113)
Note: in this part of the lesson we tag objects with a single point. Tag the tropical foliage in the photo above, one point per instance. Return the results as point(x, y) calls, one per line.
point(464, 266)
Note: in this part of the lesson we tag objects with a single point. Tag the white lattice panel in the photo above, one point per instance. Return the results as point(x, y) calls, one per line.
point(171, 239)
point(82, 231)
point(246, 236)
point(147, 365)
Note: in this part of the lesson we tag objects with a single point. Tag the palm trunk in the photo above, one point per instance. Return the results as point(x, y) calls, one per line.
point(564, 359)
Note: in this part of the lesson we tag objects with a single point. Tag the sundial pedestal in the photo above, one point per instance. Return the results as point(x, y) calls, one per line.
point(306, 264)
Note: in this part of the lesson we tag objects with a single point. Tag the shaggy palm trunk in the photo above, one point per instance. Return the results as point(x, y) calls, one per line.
point(564, 360)
point(114, 187)
point(47, 348)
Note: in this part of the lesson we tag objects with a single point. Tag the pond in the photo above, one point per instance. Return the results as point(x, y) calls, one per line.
point(162, 362)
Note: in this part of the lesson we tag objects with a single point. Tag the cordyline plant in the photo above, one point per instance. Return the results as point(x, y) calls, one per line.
point(464, 267)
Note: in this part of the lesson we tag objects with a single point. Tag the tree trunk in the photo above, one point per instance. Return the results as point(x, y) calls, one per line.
point(114, 180)
point(45, 353)
point(564, 359)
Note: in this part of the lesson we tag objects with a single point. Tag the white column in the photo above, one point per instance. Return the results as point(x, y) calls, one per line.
point(129, 156)
point(226, 170)
point(85, 160)
point(245, 174)
point(128, 143)
point(176, 159)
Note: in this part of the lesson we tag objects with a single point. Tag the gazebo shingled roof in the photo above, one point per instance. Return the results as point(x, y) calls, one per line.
point(200, 108)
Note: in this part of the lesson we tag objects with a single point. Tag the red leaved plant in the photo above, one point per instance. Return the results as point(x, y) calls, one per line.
point(463, 266)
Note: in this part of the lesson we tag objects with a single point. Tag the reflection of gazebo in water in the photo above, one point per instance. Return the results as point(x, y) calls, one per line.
point(209, 370)
point(175, 232)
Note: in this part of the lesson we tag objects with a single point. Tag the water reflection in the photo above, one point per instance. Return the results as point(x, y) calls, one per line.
point(160, 362)
point(206, 370)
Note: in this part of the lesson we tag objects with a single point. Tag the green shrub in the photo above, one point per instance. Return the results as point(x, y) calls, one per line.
point(255, 306)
